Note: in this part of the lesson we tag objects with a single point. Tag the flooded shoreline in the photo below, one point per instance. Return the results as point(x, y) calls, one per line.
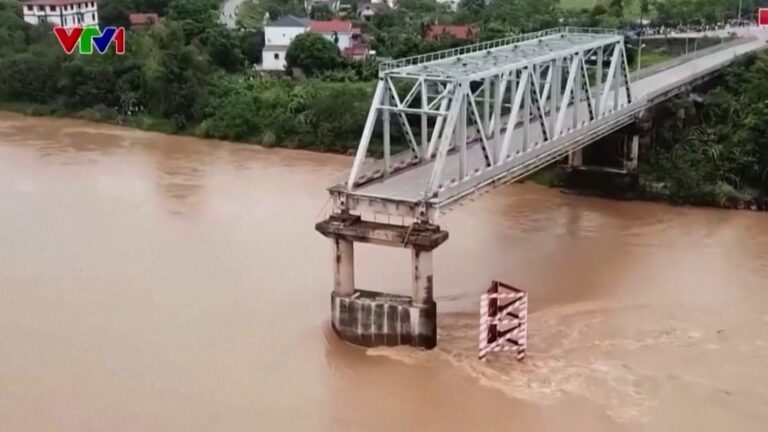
point(154, 282)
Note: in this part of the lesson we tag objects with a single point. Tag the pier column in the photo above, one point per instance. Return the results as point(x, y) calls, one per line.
point(422, 277)
point(632, 152)
point(343, 267)
point(575, 158)
point(423, 310)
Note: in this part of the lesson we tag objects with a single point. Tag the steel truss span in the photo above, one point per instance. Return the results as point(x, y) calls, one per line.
point(471, 116)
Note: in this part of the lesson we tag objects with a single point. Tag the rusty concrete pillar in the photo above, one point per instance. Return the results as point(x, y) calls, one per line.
point(422, 276)
point(343, 267)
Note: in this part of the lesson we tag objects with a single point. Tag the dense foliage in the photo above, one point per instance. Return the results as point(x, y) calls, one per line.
point(716, 151)
point(185, 74)
point(313, 54)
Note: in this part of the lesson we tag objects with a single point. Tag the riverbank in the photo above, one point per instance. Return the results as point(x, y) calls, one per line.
point(639, 187)
point(272, 112)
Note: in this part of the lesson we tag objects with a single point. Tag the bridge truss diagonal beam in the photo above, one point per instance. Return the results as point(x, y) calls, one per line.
point(481, 110)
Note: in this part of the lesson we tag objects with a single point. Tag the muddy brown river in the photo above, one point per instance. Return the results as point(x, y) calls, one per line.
point(159, 283)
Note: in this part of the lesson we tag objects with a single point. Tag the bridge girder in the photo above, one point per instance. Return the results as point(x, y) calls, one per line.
point(481, 109)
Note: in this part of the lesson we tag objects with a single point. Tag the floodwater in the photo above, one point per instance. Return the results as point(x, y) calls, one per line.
point(158, 283)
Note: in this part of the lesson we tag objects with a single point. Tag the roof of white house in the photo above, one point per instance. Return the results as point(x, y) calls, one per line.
point(289, 21)
point(334, 25)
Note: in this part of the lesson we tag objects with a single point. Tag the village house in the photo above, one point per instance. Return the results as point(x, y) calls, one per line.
point(367, 9)
point(279, 34)
point(65, 13)
point(142, 19)
point(460, 32)
point(332, 30)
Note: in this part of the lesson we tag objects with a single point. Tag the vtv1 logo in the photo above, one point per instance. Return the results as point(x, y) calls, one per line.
point(87, 38)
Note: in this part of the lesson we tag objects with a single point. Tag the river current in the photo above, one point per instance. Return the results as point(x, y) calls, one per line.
point(162, 283)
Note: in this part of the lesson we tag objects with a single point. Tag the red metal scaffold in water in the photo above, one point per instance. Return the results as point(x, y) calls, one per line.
point(503, 316)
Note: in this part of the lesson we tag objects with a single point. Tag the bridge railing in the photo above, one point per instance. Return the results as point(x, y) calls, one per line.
point(468, 49)
point(591, 30)
point(440, 55)
point(677, 61)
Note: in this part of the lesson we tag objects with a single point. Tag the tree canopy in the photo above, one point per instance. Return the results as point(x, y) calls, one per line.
point(313, 54)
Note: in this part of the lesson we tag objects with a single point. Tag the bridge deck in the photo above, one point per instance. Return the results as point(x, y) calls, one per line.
point(409, 185)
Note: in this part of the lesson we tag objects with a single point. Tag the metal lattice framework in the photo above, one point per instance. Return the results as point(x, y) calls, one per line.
point(470, 116)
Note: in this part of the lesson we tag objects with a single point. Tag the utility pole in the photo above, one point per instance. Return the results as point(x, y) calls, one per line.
point(739, 12)
point(640, 41)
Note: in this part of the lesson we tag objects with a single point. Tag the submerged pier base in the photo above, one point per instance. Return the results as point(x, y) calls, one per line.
point(370, 318)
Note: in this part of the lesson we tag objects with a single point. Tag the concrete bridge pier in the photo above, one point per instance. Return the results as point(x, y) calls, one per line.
point(631, 152)
point(343, 267)
point(371, 318)
point(576, 158)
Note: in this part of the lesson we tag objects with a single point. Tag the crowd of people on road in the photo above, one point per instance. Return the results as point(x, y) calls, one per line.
point(662, 30)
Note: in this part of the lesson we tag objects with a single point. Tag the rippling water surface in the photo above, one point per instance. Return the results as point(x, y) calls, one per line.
point(157, 283)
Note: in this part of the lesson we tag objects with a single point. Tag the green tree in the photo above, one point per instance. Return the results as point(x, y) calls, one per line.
point(12, 26)
point(30, 76)
point(114, 13)
point(177, 85)
point(473, 8)
point(223, 48)
point(422, 6)
point(321, 12)
point(523, 15)
point(195, 16)
point(252, 44)
point(313, 54)
point(159, 7)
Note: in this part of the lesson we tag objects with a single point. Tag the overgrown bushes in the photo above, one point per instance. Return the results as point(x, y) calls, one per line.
point(308, 114)
point(720, 154)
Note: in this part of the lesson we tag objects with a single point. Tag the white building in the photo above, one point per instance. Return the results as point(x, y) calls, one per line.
point(65, 13)
point(277, 36)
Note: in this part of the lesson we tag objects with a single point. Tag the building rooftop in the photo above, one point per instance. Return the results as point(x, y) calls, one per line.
point(334, 25)
point(142, 18)
point(461, 32)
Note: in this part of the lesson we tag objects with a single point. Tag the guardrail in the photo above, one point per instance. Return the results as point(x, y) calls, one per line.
point(468, 49)
point(677, 61)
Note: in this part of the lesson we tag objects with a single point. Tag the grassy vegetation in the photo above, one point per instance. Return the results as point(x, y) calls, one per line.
point(577, 4)
point(631, 8)
point(650, 58)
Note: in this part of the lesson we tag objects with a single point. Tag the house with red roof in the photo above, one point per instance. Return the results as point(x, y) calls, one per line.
point(65, 13)
point(280, 33)
point(461, 32)
point(142, 19)
point(335, 30)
